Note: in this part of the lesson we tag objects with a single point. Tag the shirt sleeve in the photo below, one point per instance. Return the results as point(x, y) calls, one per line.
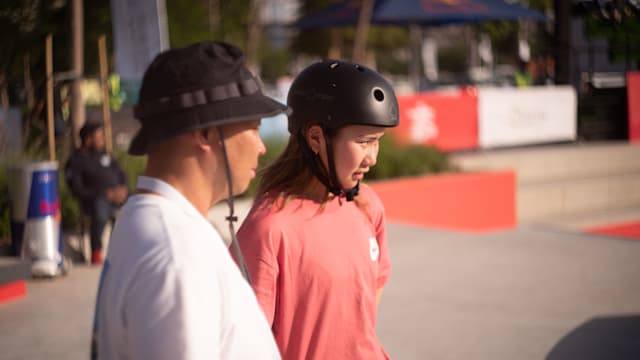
point(376, 209)
point(259, 243)
point(172, 313)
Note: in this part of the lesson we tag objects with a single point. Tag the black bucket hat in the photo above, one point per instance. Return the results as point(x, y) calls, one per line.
point(202, 85)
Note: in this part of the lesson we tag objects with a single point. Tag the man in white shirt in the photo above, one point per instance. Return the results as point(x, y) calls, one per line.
point(169, 287)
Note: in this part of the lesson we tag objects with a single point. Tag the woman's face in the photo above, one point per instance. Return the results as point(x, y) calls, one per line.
point(355, 151)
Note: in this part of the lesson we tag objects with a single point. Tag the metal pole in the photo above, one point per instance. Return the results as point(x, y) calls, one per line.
point(562, 9)
point(49, 71)
point(106, 113)
point(415, 36)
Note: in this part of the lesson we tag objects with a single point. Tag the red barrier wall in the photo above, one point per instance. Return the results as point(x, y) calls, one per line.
point(475, 202)
point(448, 121)
point(633, 97)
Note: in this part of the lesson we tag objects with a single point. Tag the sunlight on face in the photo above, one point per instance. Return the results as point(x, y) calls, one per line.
point(356, 151)
point(244, 146)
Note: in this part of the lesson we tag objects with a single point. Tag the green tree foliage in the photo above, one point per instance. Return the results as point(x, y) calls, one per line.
point(274, 63)
point(313, 42)
point(504, 34)
point(383, 41)
point(397, 160)
point(24, 25)
point(189, 21)
point(623, 36)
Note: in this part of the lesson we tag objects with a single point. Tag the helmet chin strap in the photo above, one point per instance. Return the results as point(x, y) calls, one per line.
point(232, 217)
point(331, 182)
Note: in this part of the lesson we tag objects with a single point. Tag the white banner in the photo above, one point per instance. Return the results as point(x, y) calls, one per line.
point(517, 116)
point(140, 33)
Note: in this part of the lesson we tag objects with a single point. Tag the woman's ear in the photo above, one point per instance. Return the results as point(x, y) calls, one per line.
point(315, 138)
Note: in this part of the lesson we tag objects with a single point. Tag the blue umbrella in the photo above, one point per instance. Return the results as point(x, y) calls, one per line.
point(419, 12)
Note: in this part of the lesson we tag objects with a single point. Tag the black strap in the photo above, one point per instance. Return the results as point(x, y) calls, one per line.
point(195, 98)
point(232, 217)
point(319, 172)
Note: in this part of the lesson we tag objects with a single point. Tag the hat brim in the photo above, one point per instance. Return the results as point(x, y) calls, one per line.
point(157, 130)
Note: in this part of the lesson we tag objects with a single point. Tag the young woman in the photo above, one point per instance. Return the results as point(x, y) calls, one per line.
point(315, 241)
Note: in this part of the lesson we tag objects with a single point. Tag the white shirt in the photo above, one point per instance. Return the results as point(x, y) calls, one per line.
point(170, 289)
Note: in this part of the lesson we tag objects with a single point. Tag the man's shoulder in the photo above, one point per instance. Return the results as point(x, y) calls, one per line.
point(156, 218)
point(144, 225)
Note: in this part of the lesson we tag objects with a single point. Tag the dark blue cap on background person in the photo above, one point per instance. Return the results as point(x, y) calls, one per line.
point(195, 87)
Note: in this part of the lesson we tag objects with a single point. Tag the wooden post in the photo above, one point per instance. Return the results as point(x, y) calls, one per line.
point(106, 113)
point(49, 70)
point(77, 66)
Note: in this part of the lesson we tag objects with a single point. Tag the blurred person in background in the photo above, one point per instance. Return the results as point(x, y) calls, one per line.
point(98, 182)
point(315, 240)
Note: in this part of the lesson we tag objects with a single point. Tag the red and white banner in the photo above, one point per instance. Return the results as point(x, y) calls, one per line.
point(633, 101)
point(509, 116)
point(447, 120)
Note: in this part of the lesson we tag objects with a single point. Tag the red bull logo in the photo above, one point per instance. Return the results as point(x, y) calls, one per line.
point(43, 197)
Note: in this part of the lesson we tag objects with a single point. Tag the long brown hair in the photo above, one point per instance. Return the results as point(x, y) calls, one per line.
point(289, 174)
point(289, 177)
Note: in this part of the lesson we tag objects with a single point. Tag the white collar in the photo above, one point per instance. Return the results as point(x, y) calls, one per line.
point(167, 191)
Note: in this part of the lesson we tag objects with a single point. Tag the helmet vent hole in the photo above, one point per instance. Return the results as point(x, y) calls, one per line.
point(334, 65)
point(378, 94)
point(360, 68)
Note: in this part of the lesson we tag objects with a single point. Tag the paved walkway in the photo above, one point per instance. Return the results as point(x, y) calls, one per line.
point(499, 296)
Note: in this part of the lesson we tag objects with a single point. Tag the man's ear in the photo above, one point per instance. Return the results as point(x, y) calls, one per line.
point(205, 138)
point(315, 138)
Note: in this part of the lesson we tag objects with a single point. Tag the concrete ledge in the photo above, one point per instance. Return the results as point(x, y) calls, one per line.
point(475, 202)
point(558, 198)
point(555, 162)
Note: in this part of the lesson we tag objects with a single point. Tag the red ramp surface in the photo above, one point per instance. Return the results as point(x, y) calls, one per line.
point(475, 202)
point(12, 291)
point(628, 230)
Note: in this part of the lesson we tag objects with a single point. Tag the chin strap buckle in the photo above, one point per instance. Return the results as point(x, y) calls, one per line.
point(349, 194)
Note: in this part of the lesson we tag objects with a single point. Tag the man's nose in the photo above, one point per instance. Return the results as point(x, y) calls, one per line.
point(262, 149)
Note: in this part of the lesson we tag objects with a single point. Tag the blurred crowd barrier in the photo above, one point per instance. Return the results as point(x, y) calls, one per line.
point(487, 117)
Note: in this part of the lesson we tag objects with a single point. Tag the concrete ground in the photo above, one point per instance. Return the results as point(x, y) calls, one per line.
point(508, 295)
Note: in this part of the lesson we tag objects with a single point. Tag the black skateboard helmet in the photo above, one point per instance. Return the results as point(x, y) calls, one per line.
point(335, 93)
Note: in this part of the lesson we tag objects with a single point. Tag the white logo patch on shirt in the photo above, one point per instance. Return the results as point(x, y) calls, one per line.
point(105, 160)
point(374, 251)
